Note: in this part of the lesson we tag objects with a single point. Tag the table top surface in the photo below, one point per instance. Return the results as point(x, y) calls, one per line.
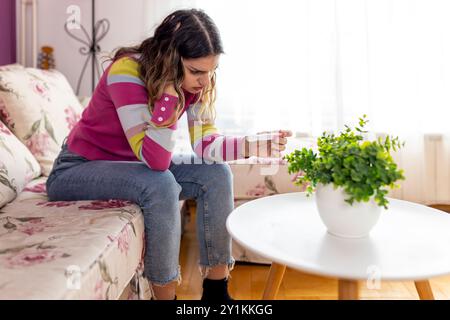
point(409, 242)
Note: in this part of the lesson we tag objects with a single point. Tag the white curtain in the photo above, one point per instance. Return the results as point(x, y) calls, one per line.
point(315, 65)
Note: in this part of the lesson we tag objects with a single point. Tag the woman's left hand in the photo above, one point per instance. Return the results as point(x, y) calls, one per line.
point(283, 133)
point(267, 143)
point(280, 143)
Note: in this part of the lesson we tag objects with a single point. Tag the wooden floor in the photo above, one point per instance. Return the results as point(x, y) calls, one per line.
point(247, 281)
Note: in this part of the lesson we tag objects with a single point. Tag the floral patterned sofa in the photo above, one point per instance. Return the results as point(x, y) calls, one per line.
point(57, 250)
point(78, 249)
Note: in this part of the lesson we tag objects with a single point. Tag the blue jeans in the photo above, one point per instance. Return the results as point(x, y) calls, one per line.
point(157, 193)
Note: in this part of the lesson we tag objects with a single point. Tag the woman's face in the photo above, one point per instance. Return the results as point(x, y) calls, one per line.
point(198, 73)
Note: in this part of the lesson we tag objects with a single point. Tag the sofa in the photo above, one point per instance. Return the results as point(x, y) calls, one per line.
point(79, 249)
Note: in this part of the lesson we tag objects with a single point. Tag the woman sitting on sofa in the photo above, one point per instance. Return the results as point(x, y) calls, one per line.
point(122, 149)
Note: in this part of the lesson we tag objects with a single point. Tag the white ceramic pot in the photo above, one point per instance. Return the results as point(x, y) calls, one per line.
point(343, 219)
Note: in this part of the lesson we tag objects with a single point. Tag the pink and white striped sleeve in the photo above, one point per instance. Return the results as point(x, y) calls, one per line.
point(208, 143)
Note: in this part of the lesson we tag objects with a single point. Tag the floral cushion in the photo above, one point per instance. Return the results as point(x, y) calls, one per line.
point(17, 166)
point(257, 178)
point(40, 108)
point(71, 249)
point(68, 250)
point(9, 67)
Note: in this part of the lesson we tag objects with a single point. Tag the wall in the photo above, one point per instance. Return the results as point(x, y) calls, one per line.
point(7, 32)
point(131, 22)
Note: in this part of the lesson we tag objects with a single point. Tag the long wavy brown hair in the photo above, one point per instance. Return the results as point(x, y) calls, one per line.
point(188, 34)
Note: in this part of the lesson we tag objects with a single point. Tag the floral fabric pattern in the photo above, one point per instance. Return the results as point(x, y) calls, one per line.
point(71, 249)
point(17, 166)
point(39, 258)
point(40, 108)
point(72, 117)
point(5, 116)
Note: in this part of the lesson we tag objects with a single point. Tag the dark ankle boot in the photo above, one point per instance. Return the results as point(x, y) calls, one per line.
point(215, 290)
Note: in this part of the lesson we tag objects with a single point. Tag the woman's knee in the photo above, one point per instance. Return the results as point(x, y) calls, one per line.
point(54, 191)
point(49, 190)
point(161, 186)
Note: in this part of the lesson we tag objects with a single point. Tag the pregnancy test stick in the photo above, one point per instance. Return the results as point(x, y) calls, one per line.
point(261, 137)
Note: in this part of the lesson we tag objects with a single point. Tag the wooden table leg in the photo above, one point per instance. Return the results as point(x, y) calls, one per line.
point(424, 290)
point(348, 289)
point(276, 274)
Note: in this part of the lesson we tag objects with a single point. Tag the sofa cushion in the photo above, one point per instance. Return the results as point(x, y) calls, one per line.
point(70, 249)
point(13, 66)
point(17, 166)
point(40, 108)
point(258, 177)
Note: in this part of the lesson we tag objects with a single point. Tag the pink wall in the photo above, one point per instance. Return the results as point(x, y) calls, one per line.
point(7, 32)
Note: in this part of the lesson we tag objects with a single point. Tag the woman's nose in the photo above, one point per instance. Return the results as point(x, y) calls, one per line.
point(204, 80)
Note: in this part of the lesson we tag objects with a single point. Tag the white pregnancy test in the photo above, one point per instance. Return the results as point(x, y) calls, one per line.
point(261, 137)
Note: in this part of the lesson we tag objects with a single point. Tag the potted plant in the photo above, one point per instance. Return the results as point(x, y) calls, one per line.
point(350, 176)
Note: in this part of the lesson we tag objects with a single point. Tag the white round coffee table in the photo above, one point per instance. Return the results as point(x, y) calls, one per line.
point(410, 242)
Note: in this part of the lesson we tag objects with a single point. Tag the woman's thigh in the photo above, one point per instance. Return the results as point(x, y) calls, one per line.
point(104, 180)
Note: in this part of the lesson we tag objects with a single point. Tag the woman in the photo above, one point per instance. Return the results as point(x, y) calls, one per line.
point(122, 149)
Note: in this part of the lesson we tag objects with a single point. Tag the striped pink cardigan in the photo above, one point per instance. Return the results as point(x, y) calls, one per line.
point(116, 125)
